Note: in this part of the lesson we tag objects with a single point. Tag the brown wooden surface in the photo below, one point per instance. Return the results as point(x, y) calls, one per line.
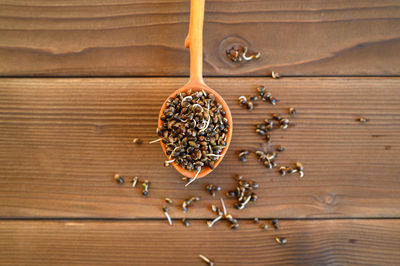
point(326, 242)
point(95, 38)
point(62, 140)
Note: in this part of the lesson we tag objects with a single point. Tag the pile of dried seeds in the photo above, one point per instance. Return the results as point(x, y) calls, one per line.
point(194, 130)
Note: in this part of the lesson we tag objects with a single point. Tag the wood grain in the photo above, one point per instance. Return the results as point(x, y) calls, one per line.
point(113, 38)
point(337, 242)
point(62, 141)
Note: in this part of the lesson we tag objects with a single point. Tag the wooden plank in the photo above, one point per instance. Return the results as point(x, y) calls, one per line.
point(325, 242)
point(95, 38)
point(62, 140)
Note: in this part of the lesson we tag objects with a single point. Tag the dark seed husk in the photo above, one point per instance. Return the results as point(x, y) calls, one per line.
point(253, 98)
point(261, 90)
point(118, 179)
point(234, 226)
point(264, 227)
point(276, 117)
point(275, 223)
point(281, 240)
point(280, 149)
point(282, 170)
point(137, 141)
point(168, 200)
point(299, 166)
point(185, 222)
point(275, 75)
point(250, 106)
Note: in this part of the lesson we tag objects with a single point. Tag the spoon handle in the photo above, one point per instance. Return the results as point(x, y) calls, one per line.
point(194, 41)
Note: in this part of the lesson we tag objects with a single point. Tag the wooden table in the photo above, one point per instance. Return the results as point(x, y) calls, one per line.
point(81, 79)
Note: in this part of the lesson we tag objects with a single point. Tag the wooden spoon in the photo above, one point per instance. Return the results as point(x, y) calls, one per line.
point(194, 41)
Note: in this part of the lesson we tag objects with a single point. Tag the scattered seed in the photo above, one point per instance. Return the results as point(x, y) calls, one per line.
point(188, 202)
point(281, 240)
point(206, 260)
point(272, 100)
point(264, 227)
point(282, 170)
point(134, 181)
point(185, 222)
point(250, 106)
point(250, 57)
point(168, 200)
point(242, 155)
point(137, 141)
point(230, 193)
point(276, 117)
point(363, 120)
point(223, 206)
point(243, 193)
point(253, 197)
point(194, 178)
point(145, 186)
point(299, 166)
point(290, 170)
point(238, 177)
point(118, 179)
point(301, 174)
point(284, 123)
point(165, 209)
point(234, 226)
point(242, 100)
point(268, 159)
point(300, 169)
point(253, 184)
point(268, 138)
point(185, 178)
point(212, 189)
point(275, 223)
point(253, 98)
point(261, 91)
point(275, 75)
point(211, 223)
point(235, 53)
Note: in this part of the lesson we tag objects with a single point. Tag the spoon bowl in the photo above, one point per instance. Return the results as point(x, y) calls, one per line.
point(197, 86)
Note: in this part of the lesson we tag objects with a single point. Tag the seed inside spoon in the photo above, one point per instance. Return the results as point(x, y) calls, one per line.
point(194, 129)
